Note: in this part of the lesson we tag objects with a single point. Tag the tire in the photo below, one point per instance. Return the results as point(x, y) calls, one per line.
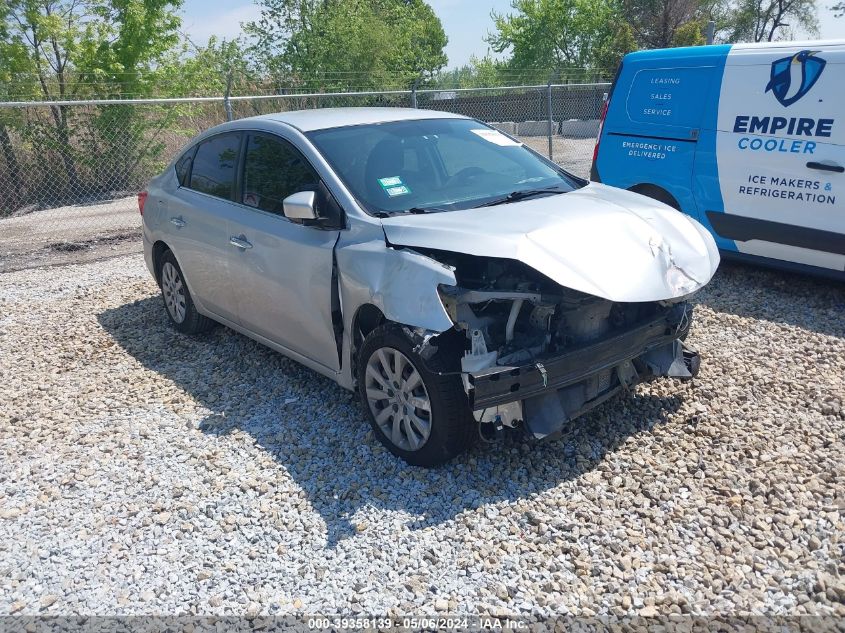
point(657, 193)
point(449, 421)
point(178, 303)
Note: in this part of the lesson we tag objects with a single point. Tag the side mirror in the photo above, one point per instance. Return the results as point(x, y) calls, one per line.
point(300, 206)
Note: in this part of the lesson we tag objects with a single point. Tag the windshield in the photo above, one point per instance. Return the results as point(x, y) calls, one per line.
point(436, 165)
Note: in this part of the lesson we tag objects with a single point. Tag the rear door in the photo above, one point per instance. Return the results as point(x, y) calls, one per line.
point(781, 154)
point(196, 221)
point(282, 274)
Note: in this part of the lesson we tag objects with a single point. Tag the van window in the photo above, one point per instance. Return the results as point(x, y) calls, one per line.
point(669, 96)
point(214, 165)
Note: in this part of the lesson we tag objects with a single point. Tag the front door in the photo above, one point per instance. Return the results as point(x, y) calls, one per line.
point(281, 269)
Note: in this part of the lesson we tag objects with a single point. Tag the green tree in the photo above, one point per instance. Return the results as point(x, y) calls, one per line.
point(611, 50)
point(480, 72)
point(204, 71)
point(769, 20)
point(689, 34)
point(343, 44)
point(208, 71)
point(140, 34)
point(13, 64)
point(655, 23)
point(80, 48)
point(67, 49)
point(561, 34)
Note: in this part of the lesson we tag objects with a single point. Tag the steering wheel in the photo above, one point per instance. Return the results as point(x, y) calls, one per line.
point(467, 174)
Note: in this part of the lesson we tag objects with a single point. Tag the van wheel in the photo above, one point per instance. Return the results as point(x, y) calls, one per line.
point(417, 414)
point(657, 193)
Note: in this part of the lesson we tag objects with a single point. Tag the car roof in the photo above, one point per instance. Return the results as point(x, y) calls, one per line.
point(324, 118)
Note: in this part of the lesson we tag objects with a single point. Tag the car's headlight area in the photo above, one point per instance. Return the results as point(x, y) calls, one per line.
point(449, 300)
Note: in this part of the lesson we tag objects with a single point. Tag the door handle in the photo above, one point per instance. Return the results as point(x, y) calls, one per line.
point(179, 222)
point(825, 167)
point(240, 242)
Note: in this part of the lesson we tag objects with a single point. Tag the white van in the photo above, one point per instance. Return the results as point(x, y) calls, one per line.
point(749, 139)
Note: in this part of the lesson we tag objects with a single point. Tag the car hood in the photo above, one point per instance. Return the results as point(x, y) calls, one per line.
point(603, 241)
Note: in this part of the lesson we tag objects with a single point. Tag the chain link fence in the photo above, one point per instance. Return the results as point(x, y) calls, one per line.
point(70, 171)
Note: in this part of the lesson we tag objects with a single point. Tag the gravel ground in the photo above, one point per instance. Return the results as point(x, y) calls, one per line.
point(573, 154)
point(145, 472)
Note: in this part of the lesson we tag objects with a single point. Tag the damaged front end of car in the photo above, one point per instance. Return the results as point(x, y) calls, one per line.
point(536, 355)
point(557, 303)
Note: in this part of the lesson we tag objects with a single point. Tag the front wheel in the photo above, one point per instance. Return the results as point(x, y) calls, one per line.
point(418, 414)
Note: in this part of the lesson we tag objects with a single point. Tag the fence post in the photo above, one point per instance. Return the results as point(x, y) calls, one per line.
point(227, 104)
point(710, 32)
point(549, 109)
point(414, 92)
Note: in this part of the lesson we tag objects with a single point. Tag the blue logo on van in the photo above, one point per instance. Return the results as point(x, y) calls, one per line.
point(793, 76)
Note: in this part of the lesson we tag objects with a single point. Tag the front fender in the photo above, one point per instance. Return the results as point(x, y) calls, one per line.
point(399, 282)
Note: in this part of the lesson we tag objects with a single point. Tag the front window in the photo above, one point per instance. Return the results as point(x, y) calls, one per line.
point(273, 170)
point(436, 165)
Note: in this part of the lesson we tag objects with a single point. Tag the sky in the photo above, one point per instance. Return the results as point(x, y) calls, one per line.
point(466, 22)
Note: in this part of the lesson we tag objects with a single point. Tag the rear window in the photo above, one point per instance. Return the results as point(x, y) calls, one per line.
point(669, 96)
point(183, 166)
point(214, 165)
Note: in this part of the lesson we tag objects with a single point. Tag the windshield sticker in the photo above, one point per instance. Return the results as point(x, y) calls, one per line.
point(394, 186)
point(397, 191)
point(251, 199)
point(496, 137)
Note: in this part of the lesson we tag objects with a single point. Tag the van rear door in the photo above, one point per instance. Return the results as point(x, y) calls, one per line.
point(780, 149)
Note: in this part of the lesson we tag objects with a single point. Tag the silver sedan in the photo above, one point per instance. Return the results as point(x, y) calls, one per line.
point(464, 285)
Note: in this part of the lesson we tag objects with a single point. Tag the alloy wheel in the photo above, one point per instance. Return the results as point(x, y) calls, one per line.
point(173, 289)
point(398, 399)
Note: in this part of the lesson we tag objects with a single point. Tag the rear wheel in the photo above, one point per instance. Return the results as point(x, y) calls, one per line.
point(418, 414)
point(180, 306)
point(657, 193)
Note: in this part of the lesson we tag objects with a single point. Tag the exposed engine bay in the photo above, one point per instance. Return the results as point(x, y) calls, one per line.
point(523, 315)
point(540, 354)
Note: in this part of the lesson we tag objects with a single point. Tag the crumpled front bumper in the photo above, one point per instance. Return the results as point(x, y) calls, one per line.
point(562, 387)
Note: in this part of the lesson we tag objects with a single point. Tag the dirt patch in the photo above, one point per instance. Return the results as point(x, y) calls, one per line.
point(62, 253)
